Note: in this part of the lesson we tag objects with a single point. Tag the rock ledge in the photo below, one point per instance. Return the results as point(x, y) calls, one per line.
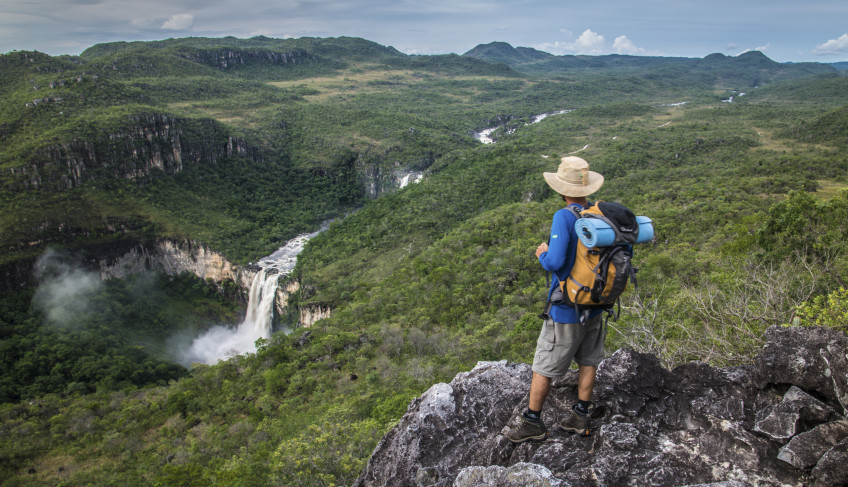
point(778, 422)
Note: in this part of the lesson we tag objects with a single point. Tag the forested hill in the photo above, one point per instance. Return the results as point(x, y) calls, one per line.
point(136, 135)
point(232, 146)
point(747, 70)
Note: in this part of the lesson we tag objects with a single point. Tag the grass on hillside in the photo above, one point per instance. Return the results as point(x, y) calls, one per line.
point(829, 189)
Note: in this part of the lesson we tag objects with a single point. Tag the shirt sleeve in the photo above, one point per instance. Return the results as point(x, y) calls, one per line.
point(554, 259)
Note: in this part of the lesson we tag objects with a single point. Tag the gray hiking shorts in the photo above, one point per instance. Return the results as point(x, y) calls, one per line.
point(560, 343)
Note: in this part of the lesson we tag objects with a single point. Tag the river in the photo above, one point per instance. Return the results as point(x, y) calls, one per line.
point(485, 135)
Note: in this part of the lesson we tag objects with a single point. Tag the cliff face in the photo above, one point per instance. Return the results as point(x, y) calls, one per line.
point(780, 421)
point(231, 58)
point(156, 142)
point(306, 315)
point(171, 258)
point(310, 314)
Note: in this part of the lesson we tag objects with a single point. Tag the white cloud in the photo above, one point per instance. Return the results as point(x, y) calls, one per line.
point(623, 45)
point(833, 46)
point(591, 42)
point(179, 22)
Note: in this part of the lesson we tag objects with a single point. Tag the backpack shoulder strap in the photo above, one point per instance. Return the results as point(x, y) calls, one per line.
point(574, 211)
point(578, 213)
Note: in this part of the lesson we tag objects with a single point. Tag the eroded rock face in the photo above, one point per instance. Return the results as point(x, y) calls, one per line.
point(694, 425)
point(811, 358)
point(806, 449)
point(171, 258)
point(787, 418)
point(832, 468)
point(442, 430)
point(518, 475)
point(147, 145)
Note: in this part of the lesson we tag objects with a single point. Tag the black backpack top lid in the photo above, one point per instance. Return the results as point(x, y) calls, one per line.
point(622, 218)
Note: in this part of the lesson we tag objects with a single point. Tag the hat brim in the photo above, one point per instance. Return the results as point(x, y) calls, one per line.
point(596, 180)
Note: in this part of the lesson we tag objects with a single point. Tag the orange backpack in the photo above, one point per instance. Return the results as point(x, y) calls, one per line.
point(600, 274)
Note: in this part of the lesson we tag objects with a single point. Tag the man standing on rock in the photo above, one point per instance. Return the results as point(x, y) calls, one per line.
point(563, 337)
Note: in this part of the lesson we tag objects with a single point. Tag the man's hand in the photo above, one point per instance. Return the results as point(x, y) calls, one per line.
point(541, 249)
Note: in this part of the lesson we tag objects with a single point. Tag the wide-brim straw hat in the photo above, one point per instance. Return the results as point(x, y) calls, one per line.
point(573, 178)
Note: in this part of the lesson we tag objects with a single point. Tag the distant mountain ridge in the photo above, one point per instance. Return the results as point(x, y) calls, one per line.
point(751, 68)
point(263, 56)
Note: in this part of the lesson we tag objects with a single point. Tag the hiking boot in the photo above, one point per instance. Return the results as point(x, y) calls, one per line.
point(575, 423)
point(527, 430)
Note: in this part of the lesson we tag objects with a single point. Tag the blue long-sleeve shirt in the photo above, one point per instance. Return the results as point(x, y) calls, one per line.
point(559, 259)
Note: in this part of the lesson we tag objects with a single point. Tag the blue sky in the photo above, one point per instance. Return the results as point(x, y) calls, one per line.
point(812, 30)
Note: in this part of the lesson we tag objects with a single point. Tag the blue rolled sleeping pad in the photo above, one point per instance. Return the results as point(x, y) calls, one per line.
point(597, 233)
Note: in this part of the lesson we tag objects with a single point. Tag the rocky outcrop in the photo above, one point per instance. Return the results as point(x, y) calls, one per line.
point(174, 257)
point(808, 360)
point(284, 291)
point(776, 422)
point(306, 315)
point(310, 314)
point(154, 142)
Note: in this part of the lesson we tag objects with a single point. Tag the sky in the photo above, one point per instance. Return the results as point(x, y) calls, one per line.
point(785, 31)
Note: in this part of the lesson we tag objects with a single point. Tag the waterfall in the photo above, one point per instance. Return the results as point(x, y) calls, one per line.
point(260, 305)
point(410, 178)
point(223, 342)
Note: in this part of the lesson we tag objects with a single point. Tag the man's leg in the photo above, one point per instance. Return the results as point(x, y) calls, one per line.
point(530, 426)
point(576, 420)
point(539, 387)
point(585, 382)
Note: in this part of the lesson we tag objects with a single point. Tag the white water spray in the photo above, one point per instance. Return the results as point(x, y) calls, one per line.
point(221, 342)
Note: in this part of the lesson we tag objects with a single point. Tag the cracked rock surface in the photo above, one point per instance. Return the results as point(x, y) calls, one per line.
point(777, 422)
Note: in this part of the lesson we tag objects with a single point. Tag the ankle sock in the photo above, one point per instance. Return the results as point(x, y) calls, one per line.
point(582, 408)
point(532, 415)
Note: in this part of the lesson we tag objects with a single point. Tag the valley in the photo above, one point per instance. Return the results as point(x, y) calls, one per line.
point(222, 150)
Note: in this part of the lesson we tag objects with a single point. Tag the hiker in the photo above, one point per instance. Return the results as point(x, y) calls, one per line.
point(563, 337)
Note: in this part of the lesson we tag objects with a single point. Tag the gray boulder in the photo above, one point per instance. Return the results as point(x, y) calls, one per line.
point(815, 359)
point(796, 413)
point(806, 449)
point(832, 468)
point(441, 431)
